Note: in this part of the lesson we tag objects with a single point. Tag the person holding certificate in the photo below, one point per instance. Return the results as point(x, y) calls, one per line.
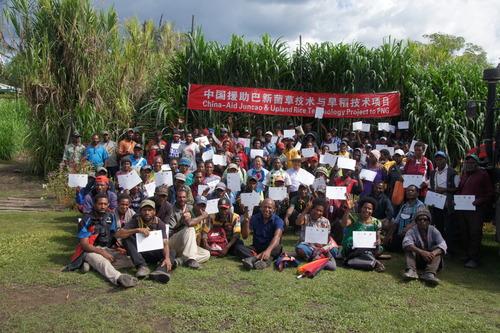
point(355, 255)
point(159, 253)
point(475, 182)
point(312, 244)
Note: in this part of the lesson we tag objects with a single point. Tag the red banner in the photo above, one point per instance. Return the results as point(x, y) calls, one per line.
point(292, 103)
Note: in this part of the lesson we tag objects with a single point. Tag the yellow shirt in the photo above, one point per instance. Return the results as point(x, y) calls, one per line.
point(288, 154)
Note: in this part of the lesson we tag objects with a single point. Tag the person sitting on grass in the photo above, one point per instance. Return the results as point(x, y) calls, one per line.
point(183, 234)
point(101, 186)
point(267, 229)
point(123, 213)
point(313, 216)
point(404, 220)
point(361, 258)
point(143, 223)
point(97, 232)
point(224, 223)
point(424, 248)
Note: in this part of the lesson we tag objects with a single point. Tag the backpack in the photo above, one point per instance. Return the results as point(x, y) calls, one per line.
point(217, 240)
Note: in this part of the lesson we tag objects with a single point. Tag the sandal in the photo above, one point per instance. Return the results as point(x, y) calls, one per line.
point(379, 267)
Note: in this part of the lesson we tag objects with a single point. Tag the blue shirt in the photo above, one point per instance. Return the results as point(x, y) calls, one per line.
point(84, 231)
point(96, 155)
point(137, 164)
point(263, 233)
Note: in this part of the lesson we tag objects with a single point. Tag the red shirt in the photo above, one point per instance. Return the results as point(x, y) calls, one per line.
point(419, 167)
point(477, 183)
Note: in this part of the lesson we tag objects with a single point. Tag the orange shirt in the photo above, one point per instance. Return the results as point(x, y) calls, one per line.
point(126, 147)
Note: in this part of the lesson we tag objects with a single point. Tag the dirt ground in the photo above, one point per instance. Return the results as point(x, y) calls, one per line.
point(21, 191)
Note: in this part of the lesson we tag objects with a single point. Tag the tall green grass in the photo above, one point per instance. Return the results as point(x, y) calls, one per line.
point(13, 127)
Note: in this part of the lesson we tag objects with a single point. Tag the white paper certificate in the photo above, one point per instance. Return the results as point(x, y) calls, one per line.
point(153, 242)
point(368, 175)
point(336, 192)
point(202, 140)
point(305, 177)
point(163, 178)
point(416, 180)
point(212, 206)
point(308, 152)
point(435, 199)
point(366, 128)
point(328, 159)
point(464, 202)
point(319, 182)
point(256, 152)
point(219, 160)
point(250, 200)
point(245, 142)
point(278, 193)
point(316, 235)
point(346, 163)
point(208, 155)
point(403, 124)
point(234, 182)
point(357, 126)
point(298, 145)
point(384, 127)
point(318, 114)
point(77, 180)
point(129, 180)
point(289, 133)
point(150, 189)
point(364, 239)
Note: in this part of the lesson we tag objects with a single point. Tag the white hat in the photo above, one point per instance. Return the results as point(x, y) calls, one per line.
point(399, 152)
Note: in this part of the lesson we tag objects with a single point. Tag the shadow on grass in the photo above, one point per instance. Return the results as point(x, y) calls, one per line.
point(485, 277)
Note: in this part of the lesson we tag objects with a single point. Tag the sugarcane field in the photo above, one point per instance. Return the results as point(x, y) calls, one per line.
point(230, 166)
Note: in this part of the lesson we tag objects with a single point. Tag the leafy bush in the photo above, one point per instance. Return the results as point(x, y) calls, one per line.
point(13, 127)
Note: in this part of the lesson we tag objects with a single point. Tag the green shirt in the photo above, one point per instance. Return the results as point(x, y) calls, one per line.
point(357, 225)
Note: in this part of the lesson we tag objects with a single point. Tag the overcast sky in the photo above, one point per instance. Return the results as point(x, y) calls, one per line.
point(365, 21)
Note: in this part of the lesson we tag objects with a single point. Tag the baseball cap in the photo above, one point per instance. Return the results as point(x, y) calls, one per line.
point(105, 132)
point(440, 153)
point(162, 190)
point(383, 138)
point(314, 158)
point(147, 167)
point(280, 145)
point(399, 152)
point(473, 156)
point(180, 176)
point(224, 130)
point(149, 203)
point(102, 180)
point(252, 178)
point(322, 170)
point(220, 186)
point(200, 200)
point(125, 159)
point(138, 146)
point(76, 134)
point(268, 133)
point(224, 203)
point(99, 169)
point(232, 166)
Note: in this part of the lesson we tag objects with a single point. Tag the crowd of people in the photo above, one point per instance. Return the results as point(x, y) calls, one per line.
point(369, 166)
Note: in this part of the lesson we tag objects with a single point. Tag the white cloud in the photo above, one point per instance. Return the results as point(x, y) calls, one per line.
point(365, 21)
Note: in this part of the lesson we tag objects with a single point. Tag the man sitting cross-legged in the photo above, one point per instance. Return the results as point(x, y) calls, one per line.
point(143, 223)
point(424, 248)
point(267, 229)
point(97, 232)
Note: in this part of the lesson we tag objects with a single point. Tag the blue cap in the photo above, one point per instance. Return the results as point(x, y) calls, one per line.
point(440, 153)
point(200, 200)
point(185, 161)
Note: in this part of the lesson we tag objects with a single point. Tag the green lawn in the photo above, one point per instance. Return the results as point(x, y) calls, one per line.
point(36, 296)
